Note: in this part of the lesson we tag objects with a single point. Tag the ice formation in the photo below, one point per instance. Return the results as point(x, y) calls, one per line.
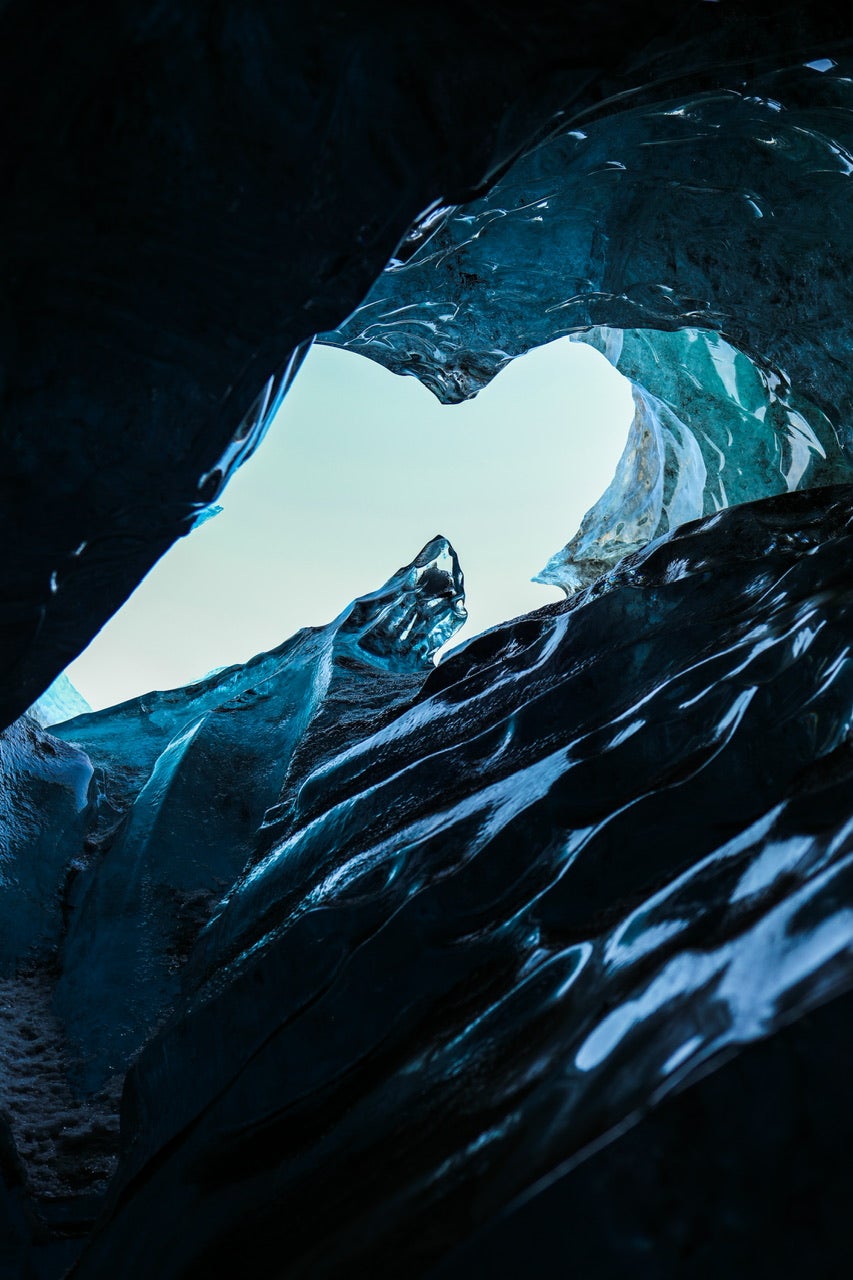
point(537, 960)
point(593, 853)
point(62, 701)
point(186, 777)
point(710, 430)
point(628, 233)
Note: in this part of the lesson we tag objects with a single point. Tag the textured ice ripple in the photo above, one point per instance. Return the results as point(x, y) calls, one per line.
point(604, 845)
point(703, 244)
point(722, 210)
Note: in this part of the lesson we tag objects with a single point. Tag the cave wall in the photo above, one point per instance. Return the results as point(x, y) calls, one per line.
point(193, 191)
point(600, 849)
point(604, 847)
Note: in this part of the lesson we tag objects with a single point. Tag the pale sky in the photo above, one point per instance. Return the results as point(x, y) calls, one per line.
point(359, 470)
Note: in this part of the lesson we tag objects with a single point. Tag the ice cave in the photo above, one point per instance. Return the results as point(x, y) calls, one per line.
point(341, 961)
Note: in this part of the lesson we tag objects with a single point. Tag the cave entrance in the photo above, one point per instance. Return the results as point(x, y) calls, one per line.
point(359, 470)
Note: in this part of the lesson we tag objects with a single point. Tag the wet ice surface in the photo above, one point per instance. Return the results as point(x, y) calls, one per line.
point(339, 910)
point(603, 844)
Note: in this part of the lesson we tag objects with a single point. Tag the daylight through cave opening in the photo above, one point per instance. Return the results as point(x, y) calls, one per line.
point(359, 469)
point(386, 958)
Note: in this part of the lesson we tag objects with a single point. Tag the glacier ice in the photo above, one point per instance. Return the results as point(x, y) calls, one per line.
point(593, 853)
point(722, 210)
point(60, 702)
point(198, 193)
point(240, 739)
point(703, 244)
point(697, 1186)
point(463, 923)
point(593, 871)
point(710, 429)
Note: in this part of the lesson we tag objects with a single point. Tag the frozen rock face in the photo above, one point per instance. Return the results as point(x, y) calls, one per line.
point(602, 848)
point(45, 809)
point(193, 771)
point(60, 702)
point(53, 1148)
